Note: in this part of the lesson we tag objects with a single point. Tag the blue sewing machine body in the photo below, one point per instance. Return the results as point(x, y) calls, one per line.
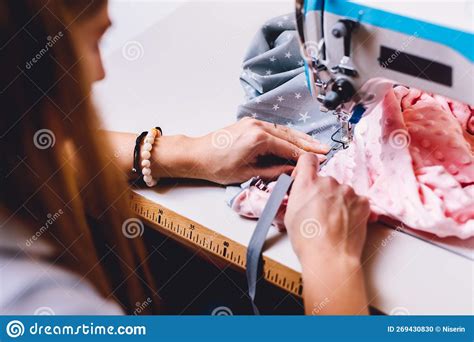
point(355, 49)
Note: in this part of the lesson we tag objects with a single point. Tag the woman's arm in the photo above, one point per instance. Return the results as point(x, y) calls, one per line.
point(231, 155)
point(327, 225)
point(174, 153)
point(334, 286)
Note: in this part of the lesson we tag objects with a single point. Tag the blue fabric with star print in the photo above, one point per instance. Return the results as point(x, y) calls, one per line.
point(274, 82)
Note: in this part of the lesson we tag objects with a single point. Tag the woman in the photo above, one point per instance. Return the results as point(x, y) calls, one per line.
point(64, 192)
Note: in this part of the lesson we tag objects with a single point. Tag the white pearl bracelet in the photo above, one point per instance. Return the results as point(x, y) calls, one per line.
point(147, 147)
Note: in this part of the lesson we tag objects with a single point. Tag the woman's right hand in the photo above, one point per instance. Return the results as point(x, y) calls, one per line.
point(327, 225)
point(324, 219)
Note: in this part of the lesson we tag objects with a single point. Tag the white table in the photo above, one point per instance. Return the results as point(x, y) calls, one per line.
point(186, 81)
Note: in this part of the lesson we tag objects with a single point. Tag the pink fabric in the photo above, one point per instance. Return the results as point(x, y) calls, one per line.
point(251, 201)
point(412, 157)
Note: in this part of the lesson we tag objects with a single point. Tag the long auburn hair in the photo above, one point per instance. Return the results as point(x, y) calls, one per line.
point(49, 131)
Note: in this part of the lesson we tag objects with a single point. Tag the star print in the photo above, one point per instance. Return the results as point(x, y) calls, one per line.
point(280, 99)
point(258, 100)
point(304, 117)
point(301, 63)
point(288, 54)
point(254, 115)
point(273, 59)
point(289, 124)
point(276, 107)
point(280, 24)
point(297, 96)
point(268, 72)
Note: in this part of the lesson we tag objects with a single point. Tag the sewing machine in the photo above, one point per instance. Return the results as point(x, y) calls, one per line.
point(354, 50)
point(406, 273)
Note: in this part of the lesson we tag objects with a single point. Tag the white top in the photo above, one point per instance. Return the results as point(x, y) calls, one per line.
point(29, 286)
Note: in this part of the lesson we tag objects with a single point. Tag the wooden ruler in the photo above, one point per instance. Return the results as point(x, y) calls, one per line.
point(195, 235)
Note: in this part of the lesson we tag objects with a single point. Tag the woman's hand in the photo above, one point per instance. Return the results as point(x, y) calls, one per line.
point(327, 225)
point(252, 148)
point(234, 154)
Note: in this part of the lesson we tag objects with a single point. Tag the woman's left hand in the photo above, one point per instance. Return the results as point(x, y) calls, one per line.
point(251, 148)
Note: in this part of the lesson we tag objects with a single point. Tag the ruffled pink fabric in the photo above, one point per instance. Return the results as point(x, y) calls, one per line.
point(412, 156)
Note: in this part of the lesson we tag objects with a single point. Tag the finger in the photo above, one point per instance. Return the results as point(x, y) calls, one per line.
point(349, 192)
point(286, 150)
point(300, 139)
point(282, 148)
point(306, 169)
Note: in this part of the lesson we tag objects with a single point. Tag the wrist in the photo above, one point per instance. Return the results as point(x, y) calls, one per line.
point(335, 289)
point(175, 157)
point(332, 262)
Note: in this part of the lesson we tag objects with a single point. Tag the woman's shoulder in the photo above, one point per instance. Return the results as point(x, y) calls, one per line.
point(30, 285)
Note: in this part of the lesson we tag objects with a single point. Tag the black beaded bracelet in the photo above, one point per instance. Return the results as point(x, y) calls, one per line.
point(136, 153)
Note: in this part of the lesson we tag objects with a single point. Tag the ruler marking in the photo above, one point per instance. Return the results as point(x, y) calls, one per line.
point(231, 251)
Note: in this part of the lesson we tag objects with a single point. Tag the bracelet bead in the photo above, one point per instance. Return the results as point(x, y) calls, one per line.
point(147, 148)
point(146, 155)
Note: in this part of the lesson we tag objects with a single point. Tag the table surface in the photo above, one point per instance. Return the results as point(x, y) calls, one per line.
point(185, 79)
